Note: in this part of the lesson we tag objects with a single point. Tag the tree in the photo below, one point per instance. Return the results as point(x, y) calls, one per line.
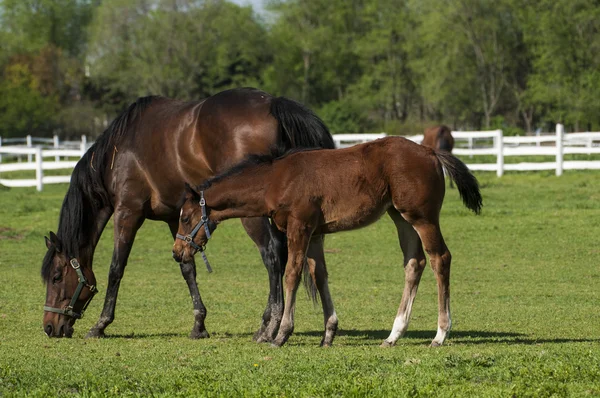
point(181, 49)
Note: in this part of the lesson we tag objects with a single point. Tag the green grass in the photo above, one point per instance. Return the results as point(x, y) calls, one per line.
point(525, 307)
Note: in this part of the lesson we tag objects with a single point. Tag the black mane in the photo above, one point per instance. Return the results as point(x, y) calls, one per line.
point(250, 161)
point(87, 193)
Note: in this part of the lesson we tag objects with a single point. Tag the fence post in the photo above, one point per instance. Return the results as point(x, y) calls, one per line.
point(560, 129)
point(56, 145)
point(500, 156)
point(29, 145)
point(470, 145)
point(39, 172)
point(83, 145)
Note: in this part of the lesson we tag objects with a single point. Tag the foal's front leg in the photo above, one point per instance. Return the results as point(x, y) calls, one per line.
point(298, 240)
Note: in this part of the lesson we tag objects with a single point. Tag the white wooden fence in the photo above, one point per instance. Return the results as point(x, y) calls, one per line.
point(474, 143)
point(494, 143)
point(35, 159)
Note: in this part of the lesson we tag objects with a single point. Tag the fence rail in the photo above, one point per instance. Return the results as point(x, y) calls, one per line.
point(39, 165)
point(488, 143)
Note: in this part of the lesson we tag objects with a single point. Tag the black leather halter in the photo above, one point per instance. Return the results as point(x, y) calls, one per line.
point(82, 283)
point(189, 239)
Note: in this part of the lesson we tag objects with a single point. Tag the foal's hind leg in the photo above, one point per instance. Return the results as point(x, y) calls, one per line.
point(318, 271)
point(440, 259)
point(414, 263)
point(188, 270)
point(271, 244)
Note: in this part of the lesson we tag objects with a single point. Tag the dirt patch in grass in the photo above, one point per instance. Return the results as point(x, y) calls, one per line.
point(10, 234)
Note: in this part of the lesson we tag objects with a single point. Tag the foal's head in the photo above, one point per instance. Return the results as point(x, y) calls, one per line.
point(194, 226)
point(69, 290)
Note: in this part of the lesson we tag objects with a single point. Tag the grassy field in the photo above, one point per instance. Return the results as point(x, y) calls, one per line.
point(525, 307)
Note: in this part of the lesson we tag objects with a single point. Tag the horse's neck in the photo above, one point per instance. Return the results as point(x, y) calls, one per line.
point(242, 195)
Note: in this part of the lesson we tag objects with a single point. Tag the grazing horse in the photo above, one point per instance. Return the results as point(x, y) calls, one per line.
point(439, 137)
point(312, 193)
point(137, 170)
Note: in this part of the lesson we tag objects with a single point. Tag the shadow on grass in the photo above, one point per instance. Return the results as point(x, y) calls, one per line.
point(466, 337)
point(143, 335)
point(416, 337)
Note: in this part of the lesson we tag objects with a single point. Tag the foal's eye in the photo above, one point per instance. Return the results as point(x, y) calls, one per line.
point(185, 219)
point(57, 278)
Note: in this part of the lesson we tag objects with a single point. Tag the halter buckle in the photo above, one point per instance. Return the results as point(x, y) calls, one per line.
point(74, 263)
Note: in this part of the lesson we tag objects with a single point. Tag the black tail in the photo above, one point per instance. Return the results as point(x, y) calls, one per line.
point(467, 184)
point(299, 127)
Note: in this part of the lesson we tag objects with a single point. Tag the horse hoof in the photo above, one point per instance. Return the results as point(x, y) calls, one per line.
point(386, 344)
point(199, 335)
point(435, 344)
point(95, 334)
point(263, 339)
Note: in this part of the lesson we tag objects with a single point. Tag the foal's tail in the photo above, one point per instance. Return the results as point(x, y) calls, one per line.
point(467, 184)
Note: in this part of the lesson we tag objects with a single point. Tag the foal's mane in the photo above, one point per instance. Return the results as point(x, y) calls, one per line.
point(87, 193)
point(249, 162)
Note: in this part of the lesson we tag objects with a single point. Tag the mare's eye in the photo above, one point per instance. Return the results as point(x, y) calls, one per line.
point(185, 219)
point(57, 278)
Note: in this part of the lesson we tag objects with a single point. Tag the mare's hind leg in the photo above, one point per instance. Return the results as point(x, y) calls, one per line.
point(440, 259)
point(126, 224)
point(318, 271)
point(188, 270)
point(414, 263)
point(271, 244)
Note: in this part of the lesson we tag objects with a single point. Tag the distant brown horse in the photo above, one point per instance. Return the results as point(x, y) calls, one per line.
point(439, 137)
point(308, 194)
point(136, 171)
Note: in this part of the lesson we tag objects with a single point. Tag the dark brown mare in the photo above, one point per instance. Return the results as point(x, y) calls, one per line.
point(439, 137)
point(311, 193)
point(136, 171)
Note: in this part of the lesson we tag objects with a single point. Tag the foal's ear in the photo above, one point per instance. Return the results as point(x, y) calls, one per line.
point(189, 190)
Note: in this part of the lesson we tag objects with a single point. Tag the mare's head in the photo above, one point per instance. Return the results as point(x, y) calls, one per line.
point(69, 289)
point(194, 226)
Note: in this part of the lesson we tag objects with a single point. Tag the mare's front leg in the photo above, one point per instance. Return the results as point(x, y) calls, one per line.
point(271, 244)
point(127, 222)
point(414, 264)
point(298, 240)
point(188, 270)
point(318, 270)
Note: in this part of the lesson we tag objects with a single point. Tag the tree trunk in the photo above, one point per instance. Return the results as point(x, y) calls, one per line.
point(305, 84)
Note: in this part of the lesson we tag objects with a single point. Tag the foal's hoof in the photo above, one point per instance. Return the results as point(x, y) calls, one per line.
point(95, 334)
point(435, 344)
point(199, 334)
point(387, 344)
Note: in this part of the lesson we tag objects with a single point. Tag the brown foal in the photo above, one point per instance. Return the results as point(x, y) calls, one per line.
point(311, 193)
point(438, 137)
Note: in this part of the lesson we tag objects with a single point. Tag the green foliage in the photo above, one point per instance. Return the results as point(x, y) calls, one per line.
point(400, 64)
point(525, 314)
point(23, 109)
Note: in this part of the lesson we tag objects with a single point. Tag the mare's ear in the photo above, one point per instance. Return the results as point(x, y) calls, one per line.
point(53, 241)
point(191, 193)
point(48, 243)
